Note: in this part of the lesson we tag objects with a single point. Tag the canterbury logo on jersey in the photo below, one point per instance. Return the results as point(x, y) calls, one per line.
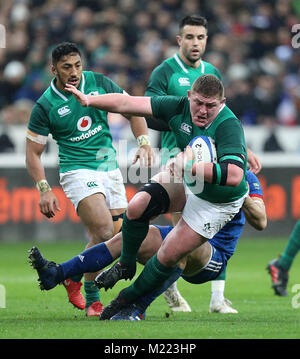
point(184, 81)
point(184, 127)
point(92, 184)
point(63, 111)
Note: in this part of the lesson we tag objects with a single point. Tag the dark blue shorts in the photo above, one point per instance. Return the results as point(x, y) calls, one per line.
point(216, 265)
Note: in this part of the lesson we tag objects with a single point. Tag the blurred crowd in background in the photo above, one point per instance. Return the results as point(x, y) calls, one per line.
point(250, 42)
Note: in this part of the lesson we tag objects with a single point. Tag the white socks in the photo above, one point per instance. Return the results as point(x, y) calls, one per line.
point(217, 290)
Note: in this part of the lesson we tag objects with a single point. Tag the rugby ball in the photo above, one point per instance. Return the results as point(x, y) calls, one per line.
point(204, 149)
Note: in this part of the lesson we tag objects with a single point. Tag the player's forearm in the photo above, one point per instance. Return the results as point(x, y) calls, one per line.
point(35, 168)
point(36, 171)
point(33, 161)
point(138, 126)
point(120, 103)
point(255, 213)
point(108, 102)
point(114, 102)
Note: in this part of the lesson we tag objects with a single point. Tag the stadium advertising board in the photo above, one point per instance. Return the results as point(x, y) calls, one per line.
point(20, 218)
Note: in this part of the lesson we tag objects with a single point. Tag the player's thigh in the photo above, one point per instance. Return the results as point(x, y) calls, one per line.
point(179, 243)
point(175, 217)
point(94, 213)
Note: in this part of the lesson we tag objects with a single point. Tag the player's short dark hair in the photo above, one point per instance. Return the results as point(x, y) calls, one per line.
point(194, 20)
point(208, 86)
point(63, 49)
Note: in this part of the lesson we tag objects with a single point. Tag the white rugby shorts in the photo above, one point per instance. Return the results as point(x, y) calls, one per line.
point(81, 183)
point(208, 218)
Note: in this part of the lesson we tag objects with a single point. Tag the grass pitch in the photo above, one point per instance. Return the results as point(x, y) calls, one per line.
point(32, 314)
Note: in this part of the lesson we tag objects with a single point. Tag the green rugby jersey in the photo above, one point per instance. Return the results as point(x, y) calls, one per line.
point(82, 133)
point(226, 130)
point(174, 77)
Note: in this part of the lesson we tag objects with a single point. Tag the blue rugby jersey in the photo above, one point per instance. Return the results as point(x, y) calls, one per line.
point(226, 239)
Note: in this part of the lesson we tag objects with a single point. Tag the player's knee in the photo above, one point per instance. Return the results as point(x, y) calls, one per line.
point(138, 205)
point(151, 201)
point(107, 234)
point(170, 255)
point(101, 234)
point(166, 259)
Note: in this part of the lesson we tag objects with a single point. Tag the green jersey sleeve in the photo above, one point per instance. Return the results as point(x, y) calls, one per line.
point(230, 138)
point(159, 81)
point(39, 121)
point(167, 107)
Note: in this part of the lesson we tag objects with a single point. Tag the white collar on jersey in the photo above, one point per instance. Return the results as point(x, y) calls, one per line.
point(182, 65)
point(60, 94)
point(221, 108)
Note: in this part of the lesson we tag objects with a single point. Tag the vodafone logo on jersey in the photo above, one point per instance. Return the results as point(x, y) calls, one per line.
point(84, 123)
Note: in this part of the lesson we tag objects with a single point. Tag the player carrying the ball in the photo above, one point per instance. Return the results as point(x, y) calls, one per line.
point(205, 211)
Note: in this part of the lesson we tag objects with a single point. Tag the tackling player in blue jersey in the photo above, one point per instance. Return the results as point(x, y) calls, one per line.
point(198, 267)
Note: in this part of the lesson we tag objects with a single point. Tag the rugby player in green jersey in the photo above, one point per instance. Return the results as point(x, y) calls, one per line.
point(175, 76)
point(89, 177)
point(205, 210)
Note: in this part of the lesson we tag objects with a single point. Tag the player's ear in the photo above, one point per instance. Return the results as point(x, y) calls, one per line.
point(53, 69)
point(178, 39)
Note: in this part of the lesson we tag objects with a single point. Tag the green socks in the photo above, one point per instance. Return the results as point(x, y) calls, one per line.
point(153, 276)
point(291, 249)
point(222, 275)
point(92, 293)
point(133, 233)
